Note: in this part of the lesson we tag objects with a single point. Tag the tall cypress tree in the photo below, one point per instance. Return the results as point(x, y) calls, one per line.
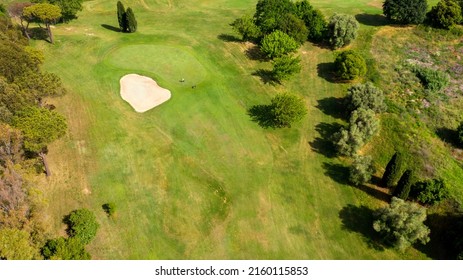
point(121, 16)
point(131, 21)
point(392, 171)
point(404, 185)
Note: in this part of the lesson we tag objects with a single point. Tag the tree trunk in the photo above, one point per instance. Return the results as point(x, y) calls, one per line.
point(49, 33)
point(45, 163)
point(26, 29)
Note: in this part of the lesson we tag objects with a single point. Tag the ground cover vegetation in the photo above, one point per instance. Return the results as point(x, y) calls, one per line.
point(183, 193)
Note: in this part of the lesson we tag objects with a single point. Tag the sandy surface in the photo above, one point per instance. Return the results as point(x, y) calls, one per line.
point(142, 93)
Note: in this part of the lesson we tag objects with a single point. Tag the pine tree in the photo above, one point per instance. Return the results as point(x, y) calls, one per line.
point(131, 21)
point(121, 16)
point(392, 171)
point(404, 185)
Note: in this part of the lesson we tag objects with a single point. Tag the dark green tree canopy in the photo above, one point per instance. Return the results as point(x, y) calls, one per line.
point(294, 27)
point(65, 249)
point(445, 14)
point(69, 8)
point(286, 109)
point(247, 28)
point(277, 44)
point(405, 11)
point(313, 19)
point(430, 191)
point(342, 30)
point(132, 24)
point(269, 13)
point(393, 169)
point(404, 185)
point(82, 225)
point(350, 65)
point(121, 16)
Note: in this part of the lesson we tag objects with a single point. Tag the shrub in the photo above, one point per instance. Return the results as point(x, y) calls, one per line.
point(342, 30)
point(350, 65)
point(405, 11)
point(430, 191)
point(445, 14)
point(82, 224)
point(287, 109)
point(285, 66)
point(361, 170)
point(365, 96)
point(401, 223)
point(433, 80)
point(269, 13)
point(109, 208)
point(65, 249)
point(294, 27)
point(403, 186)
point(246, 27)
point(393, 169)
point(277, 44)
point(313, 19)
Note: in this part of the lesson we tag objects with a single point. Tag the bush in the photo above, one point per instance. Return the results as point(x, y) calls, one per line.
point(269, 13)
point(361, 170)
point(393, 169)
point(246, 27)
point(65, 249)
point(277, 44)
point(401, 224)
point(430, 191)
point(405, 11)
point(350, 65)
point(313, 19)
point(109, 208)
point(403, 186)
point(285, 66)
point(287, 109)
point(365, 96)
point(82, 224)
point(294, 27)
point(342, 30)
point(433, 80)
point(446, 14)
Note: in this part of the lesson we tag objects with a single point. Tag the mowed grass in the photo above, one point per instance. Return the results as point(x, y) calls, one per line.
point(195, 178)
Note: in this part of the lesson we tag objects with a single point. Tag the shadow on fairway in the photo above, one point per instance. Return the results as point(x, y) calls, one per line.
point(266, 76)
point(110, 27)
point(262, 115)
point(334, 107)
point(324, 144)
point(360, 219)
point(326, 71)
point(228, 38)
point(254, 53)
point(449, 136)
point(372, 20)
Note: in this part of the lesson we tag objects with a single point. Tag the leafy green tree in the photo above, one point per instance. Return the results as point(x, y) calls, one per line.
point(285, 66)
point(294, 27)
point(37, 86)
point(342, 30)
point(131, 21)
point(45, 13)
point(404, 185)
point(277, 44)
point(69, 8)
point(82, 224)
point(313, 19)
point(121, 16)
point(247, 28)
point(361, 170)
point(402, 223)
point(269, 13)
point(287, 109)
point(14, 61)
point(350, 65)
point(40, 127)
point(12, 99)
point(430, 191)
point(405, 11)
point(445, 14)
point(393, 169)
point(65, 249)
point(365, 96)
point(15, 245)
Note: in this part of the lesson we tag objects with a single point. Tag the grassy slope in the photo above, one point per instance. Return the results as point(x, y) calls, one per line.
point(195, 178)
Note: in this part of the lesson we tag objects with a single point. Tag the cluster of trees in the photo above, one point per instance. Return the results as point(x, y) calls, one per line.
point(27, 125)
point(126, 18)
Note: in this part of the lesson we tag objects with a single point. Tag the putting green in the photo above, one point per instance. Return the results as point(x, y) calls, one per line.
point(167, 63)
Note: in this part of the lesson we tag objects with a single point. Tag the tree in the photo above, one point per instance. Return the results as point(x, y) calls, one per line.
point(313, 19)
point(269, 13)
point(430, 191)
point(69, 8)
point(404, 185)
point(82, 225)
point(405, 11)
point(393, 169)
point(65, 249)
point(131, 21)
point(40, 127)
point(294, 27)
point(37, 86)
point(342, 30)
point(277, 44)
point(287, 109)
point(10, 145)
point(15, 245)
point(43, 12)
point(121, 16)
point(247, 28)
point(365, 96)
point(350, 65)
point(402, 223)
point(361, 170)
point(445, 14)
point(285, 66)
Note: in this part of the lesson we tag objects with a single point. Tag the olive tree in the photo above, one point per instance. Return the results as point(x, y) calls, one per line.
point(365, 96)
point(361, 170)
point(342, 30)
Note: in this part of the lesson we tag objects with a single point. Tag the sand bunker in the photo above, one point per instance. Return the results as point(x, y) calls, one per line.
point(142, 93)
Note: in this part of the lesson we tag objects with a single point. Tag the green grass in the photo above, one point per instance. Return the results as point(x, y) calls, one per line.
point(195, 178)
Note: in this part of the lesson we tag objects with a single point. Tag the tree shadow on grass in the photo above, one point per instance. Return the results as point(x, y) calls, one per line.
point(324, 144)
point(228, 38)
point(254, 53)
point(372, 20)
point(334, 107)
point(262, 115)
point(110, 27)
point(39, 33)
point(360, 219)
point(266, 76)
point(326, 71)
point(449, 136)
